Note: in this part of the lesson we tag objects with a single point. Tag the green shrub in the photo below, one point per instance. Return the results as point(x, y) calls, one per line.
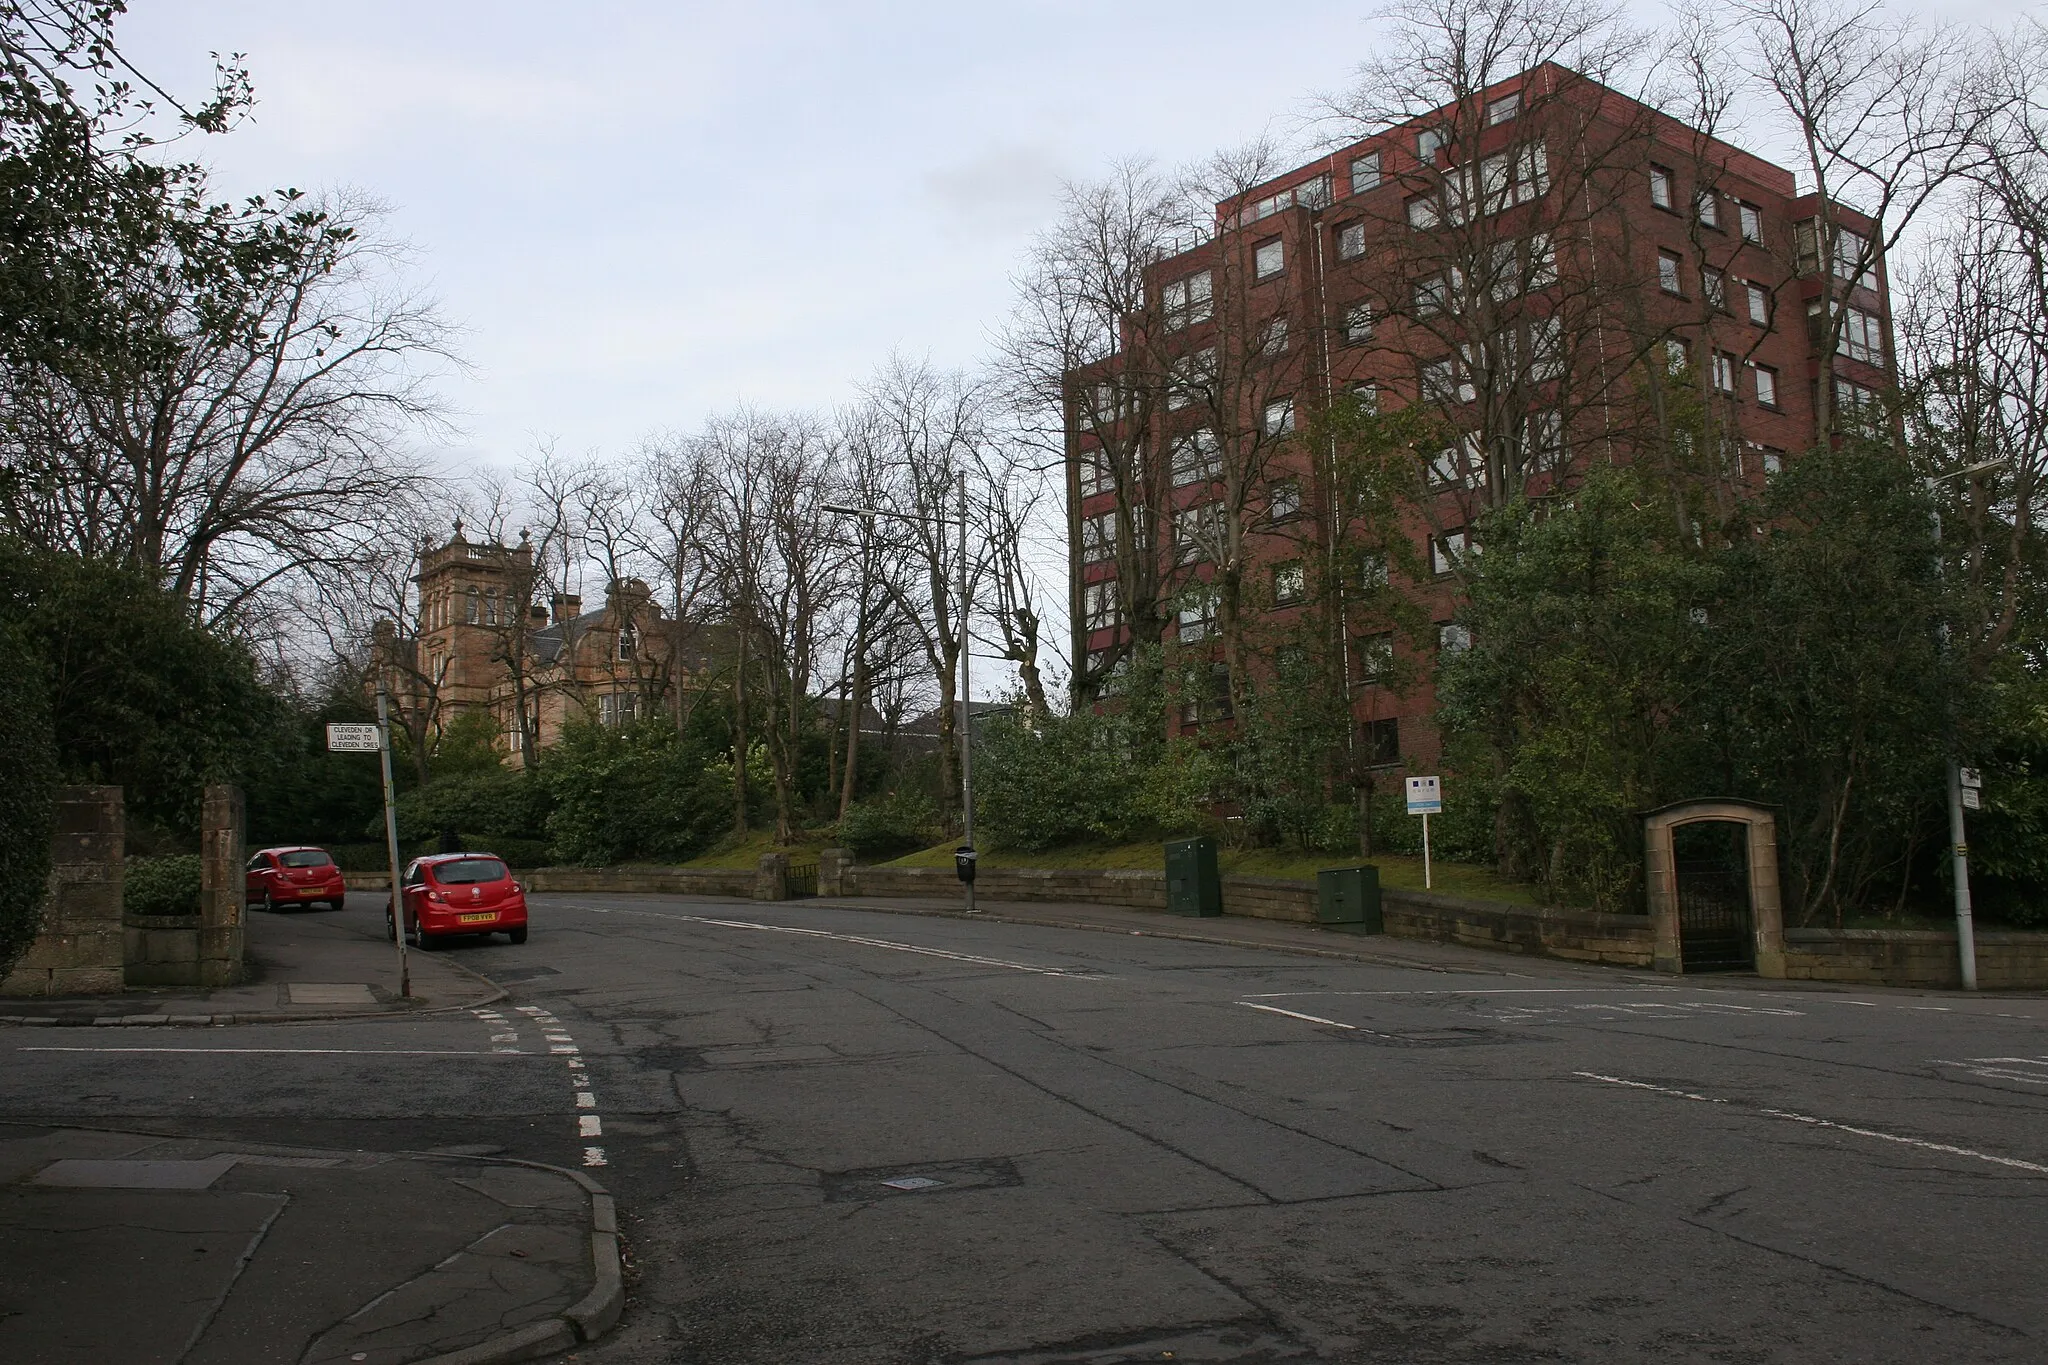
point(26, 798)
point(895, 822)
point(161, 886)
point(494, 805)
point(638, 793)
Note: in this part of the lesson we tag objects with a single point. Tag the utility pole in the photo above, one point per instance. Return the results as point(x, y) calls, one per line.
point(966, 711)
point(391, 839)
point(1959, 854)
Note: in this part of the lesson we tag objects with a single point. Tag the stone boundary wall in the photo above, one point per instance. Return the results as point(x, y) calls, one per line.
point(668, 881)
point(202, 951)
point(1915, 957)
point(1572, 935)
point(79, 951)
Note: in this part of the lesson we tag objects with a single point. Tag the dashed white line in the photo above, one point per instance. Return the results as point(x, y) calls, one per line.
point(1809, 1120)
point(1295, 1014)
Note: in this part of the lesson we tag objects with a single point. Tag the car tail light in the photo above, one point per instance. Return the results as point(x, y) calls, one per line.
point(435, 896)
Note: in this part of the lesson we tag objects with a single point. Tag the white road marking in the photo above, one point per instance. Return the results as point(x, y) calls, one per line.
point(1944, 1148)
point(594, 1156)
point(585, 1100)
point(860, 939)
point(2001, 1068)
point(1645, 1085)
point(589, 1125)
point(1293, 1014)
point(304, 1050)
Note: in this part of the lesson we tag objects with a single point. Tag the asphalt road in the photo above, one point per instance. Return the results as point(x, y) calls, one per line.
point(1144, 1149)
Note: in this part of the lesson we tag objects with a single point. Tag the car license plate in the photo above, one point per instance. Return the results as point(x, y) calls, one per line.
point(477, 919)
point(313, 891)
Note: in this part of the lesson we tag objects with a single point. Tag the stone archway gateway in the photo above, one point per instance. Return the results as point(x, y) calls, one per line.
point(1708, 910)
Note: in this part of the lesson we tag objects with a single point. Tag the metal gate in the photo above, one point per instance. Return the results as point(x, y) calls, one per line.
point(1711, 860)
point(801, 882)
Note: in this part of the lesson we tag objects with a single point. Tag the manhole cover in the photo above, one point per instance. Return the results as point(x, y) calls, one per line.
point(952, 1177)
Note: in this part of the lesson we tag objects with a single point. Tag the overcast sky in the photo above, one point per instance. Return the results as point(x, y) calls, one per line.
point(642, 211)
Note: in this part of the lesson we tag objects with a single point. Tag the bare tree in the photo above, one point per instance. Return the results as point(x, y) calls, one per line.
point(1887, 117)
point(260, 427)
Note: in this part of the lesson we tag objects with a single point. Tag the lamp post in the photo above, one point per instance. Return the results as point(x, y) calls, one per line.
point(1958, 844)
point(964, 859)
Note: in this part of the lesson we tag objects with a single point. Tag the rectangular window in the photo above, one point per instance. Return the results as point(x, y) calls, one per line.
point(1283, 500)
point(1351, 241)
point(1196, 457)
point(1375, 656)
point(1457, 466)
point(1546, 349)
point(1428, 143)
point(1279, 417)
point(1367, 394)
point(1099, 603)
point(1358, 324)
point(1313, 194)
point(1431, 296)
point(1269, 258)
point(1852, 259)
point(1448, 551)
point(1190, 378)
point(1452, 638)
point(1098, 537)
point(1290, 583)
point(1724, 372)
point(1766, 385)
point(1195, 529)
point(1365, 172)
point(1774, 461)
point(1542, 269)
point(1669, 266)
point(1660, 187)
point(1859, 406)
point(1274, 340)
point(1093, 467)
point(1543, 440)
point(1708, 205)
point(1422, 213)
point(1752, 222)
point(1193, 622)
point(1759, 304)
point(1189, 299)
point(1440, 383)
point(1503, 109)
point(1862, 337)
point(1372, 571)
point(1380, 742)
point(1676, 356)
point(1714, 285)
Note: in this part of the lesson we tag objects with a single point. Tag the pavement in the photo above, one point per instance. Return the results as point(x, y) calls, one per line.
point(304, 964)
point(882, 1133)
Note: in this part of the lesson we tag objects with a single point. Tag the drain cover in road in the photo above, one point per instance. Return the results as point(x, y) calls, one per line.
point(913, 1182)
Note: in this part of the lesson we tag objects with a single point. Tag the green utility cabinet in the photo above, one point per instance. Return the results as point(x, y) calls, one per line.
point(1193, 886)
point(1348, 898)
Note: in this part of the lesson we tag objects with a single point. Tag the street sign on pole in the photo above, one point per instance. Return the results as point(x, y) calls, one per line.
point(353, 739)
point(1426, 798)
point(1973, 798)
point(1970, 777)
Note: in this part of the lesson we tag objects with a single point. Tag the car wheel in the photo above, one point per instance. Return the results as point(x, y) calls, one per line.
point(517, 935)
point(337, 904)
point(269, 904)
point(424, 941)
point(390, 925)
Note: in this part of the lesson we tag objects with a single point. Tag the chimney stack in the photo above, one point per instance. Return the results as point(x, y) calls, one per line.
point(568, 606)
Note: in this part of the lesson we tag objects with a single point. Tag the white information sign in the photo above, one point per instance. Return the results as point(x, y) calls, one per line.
point(1973, 799)
point(1970, 777)
point(352, 739)
point(1425, 796)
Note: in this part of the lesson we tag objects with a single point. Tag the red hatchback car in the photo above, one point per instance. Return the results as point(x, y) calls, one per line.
point(280, 877)
point(460, 893)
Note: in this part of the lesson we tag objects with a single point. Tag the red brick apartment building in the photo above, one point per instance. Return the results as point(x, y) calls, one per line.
point(1543, 275)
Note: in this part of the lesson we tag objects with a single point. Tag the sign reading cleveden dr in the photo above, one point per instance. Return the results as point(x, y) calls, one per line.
point(353, 739)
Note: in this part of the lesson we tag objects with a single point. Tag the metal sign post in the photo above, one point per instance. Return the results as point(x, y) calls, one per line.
point(1965, 786)
point(1425, 798)
point(363, 739)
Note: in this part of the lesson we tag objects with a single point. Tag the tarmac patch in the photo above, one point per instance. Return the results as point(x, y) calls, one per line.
point(319, 993)
point(926, 1178)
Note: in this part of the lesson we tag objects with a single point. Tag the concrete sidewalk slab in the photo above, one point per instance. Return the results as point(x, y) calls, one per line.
point(304, 965)
point(254, 1255)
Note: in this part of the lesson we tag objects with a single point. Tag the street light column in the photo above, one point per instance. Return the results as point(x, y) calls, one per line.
point(966, 703)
